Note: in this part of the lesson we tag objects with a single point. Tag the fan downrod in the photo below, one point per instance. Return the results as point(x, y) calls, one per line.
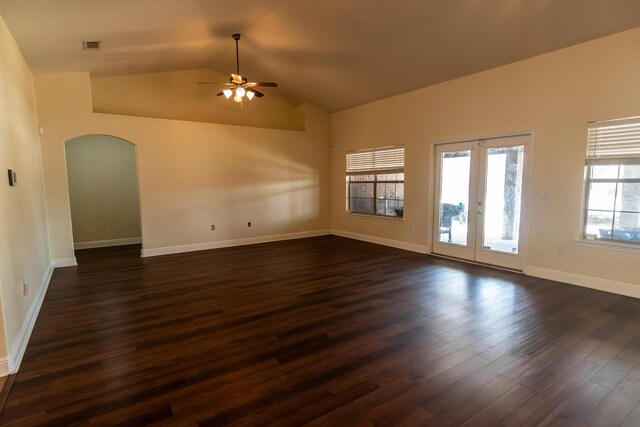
point(236, 37)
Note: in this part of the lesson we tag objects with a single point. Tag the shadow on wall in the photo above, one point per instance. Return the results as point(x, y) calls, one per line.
point(103, 191)
point(276, 188)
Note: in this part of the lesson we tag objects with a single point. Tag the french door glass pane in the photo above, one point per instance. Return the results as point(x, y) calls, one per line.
point(503, 199)
point(454, 196)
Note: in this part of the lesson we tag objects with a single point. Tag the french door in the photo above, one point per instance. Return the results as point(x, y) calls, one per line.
point(479, 203)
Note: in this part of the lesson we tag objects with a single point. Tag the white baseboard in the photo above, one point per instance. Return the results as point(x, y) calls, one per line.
point(64, 262)
point(382, 241)
point(106, 243)
point(20, 344)
point(229, 243)
point(605, 285)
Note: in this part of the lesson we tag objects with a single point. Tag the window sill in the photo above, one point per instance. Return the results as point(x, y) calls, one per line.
point(368, 216)
point(614, 246)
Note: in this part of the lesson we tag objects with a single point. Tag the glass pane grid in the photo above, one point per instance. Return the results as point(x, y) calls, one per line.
point(613, 207)
point(376, 194)
point(360, 205)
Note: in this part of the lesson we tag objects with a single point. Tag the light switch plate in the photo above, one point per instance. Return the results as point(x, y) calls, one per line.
point(13, 178)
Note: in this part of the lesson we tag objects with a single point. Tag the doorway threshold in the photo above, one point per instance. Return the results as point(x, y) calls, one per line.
point(466, 261)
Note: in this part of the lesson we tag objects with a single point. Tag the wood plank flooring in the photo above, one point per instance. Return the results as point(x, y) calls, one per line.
point(324, 332)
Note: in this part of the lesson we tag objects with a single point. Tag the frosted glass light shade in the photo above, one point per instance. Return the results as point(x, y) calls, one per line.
point(227, 93)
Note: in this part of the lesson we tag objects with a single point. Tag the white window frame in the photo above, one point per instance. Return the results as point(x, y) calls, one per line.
point(611, 142)
point(375, 161)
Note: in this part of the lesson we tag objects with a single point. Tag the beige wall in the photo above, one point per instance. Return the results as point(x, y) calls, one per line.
point(24, 250)
point(555, 95)
point(176, 95)
point(192, 174)
point(103, 188)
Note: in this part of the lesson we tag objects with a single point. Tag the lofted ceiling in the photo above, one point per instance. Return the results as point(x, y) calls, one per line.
point(331, 53)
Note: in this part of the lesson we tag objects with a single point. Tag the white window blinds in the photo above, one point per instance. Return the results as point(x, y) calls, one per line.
point(376, 160)
point(614, 139)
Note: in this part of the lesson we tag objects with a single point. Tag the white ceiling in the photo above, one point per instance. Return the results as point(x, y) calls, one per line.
point(332, 53)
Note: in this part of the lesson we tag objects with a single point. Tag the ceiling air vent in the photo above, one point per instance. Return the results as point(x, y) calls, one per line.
point(91, 45)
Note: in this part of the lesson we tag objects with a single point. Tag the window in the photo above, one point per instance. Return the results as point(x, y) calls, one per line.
point(375, 181)
point(612, 202)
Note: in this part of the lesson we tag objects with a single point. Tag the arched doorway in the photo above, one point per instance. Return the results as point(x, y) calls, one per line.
point(103, 191)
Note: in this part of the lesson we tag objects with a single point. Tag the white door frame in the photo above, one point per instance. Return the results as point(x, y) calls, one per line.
point(526, 192)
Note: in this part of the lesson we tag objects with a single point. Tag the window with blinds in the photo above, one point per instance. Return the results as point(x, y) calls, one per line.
point(375, 181)
point(612, 185)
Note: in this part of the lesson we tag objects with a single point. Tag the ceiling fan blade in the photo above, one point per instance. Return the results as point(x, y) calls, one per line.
point(216, 83)
point(220, 94)
point(263, 84)
point(258, 94)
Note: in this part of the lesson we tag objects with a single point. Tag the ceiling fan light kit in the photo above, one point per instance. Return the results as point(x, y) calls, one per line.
point(239, 86)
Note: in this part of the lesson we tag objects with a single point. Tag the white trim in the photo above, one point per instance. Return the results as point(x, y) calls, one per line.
point(382, 241)
point(64, 262)
point(613, 246)
point(20, 344)
point(229, 243)
point(480, 264)
point(527, 197)
point(529, 132)
point(106, 243)
point(374, 216)
point(597, 283)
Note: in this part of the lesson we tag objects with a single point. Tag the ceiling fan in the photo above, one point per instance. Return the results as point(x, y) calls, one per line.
point(238, 85)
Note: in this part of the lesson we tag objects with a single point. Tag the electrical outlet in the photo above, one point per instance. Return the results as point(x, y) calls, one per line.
point(25, 289)
point(213, 227)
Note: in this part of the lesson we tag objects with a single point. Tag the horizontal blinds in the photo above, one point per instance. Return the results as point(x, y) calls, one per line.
point(376, 160)
point(614, 139)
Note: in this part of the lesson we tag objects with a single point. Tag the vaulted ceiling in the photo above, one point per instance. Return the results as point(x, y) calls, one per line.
point(331, 53)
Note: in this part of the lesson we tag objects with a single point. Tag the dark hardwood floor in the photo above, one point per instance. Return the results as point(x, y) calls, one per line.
point(325, 331)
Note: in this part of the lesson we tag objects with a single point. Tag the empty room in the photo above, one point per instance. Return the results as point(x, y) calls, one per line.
point(328, 213)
